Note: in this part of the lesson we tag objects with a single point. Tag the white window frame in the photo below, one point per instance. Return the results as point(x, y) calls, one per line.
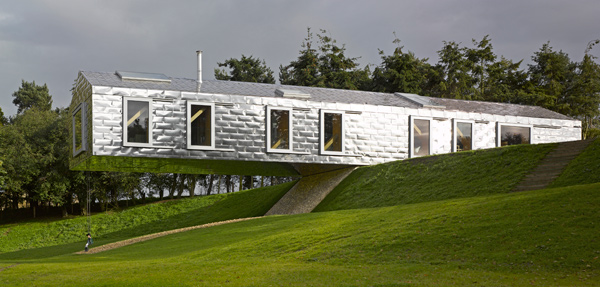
point(499, 130)
point(411, 136)
point(322, 133)
point(150, 122)
point(455, 122)
point(290, 148)
point(189, 126)
point(80, 108)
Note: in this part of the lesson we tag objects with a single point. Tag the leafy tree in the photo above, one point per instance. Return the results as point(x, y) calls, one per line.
point(246, 69)
point(31, 95)
point(400, 72)
point(455, 69)
point(480, 58)
point(2, 118)
point(326, 66)
point(585, 100)
point(551, 75)
point(504, 82)
point(304, 71)
point(35, 149)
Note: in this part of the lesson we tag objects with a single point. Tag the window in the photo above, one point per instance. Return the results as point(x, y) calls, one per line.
point(463, 136)
point(79, 129)
point(513, 134)
point(137, 122)
point(200, 125)
point(279, 129)
point(332, 132)
point(420, 140)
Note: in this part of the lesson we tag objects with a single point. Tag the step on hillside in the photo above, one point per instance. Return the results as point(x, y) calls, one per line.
point(552, 165)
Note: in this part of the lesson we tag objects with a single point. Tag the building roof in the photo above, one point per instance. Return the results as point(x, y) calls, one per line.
point(321, 95)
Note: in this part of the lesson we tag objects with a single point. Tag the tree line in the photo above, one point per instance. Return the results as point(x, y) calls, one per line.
point(34, 143)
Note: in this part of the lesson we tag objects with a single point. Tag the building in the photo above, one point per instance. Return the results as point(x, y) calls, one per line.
point(143, 122)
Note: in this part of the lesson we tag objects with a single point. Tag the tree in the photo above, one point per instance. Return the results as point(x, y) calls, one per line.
point(35, 149)
point(31, 95)
point(326, 66)
point(551, 76)
point(2, 118)
point(585, 101)
point(400, 72)
point(455, 69)
point(247, 69)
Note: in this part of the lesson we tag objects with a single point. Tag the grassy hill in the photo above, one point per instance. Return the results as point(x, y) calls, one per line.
point(460, 234)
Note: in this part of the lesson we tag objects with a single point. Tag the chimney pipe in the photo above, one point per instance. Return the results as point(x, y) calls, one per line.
point(199, 66)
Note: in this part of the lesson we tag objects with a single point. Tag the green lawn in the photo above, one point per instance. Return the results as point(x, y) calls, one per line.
point(583, 169)
point(546, 238)
point(115, 226)
point(456, 175)
point(448, 220)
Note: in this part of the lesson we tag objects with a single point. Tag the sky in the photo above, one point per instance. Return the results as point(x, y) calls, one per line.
point(51, 41)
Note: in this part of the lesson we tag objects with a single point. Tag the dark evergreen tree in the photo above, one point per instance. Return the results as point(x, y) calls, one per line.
point(246, 69)
point(31, 95)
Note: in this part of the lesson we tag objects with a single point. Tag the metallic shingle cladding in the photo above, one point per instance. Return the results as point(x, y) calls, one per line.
point(376, 125)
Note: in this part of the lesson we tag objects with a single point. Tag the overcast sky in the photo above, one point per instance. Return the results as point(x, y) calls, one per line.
point(50, 41)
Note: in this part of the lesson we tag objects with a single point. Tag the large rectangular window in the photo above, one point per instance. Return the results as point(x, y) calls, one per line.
point(332, 132)
point(463, 136)
point(279, 129)
point(137, 122)
point(200, 125)
point(420, 140)
point(79, 129)
point(513, 134)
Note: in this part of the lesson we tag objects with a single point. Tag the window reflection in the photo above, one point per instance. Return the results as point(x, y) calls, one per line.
point(280, 127)
point(512, 135)
point(420, 137)
point(77, 134)
point(464, 136)
point(138, 122)
point(200, 122)
point(333, 132)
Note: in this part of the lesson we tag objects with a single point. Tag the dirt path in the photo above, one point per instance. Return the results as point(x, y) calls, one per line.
point(156, 235)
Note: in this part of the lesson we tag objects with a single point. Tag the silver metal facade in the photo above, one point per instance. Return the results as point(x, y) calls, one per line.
point(373, 133)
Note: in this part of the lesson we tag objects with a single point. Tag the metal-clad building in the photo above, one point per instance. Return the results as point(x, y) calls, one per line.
point(126, 121)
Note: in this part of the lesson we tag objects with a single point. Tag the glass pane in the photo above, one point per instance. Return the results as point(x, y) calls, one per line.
point(420, 137)
point(137, 122)
point(514, 135)
point(280, 125)
point(77, 135)
point(333, 132)
point(200, 125)
point(464, 136)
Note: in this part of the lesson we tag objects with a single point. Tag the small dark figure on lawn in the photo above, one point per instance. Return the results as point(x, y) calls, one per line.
point(89, 241)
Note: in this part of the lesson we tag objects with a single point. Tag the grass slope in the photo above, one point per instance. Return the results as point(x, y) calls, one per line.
point(455, 175)
point(544, 238)
point(140, 220)
point(583, 169)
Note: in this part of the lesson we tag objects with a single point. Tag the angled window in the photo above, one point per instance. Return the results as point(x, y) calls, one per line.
point(332, 132)
point(463, 136)
point(420, 140)
point(79, 129)
point(137, 122)
point(279, 129)
point(513, 134)
point(200, 125)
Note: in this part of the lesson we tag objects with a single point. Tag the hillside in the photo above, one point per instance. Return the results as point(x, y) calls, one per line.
point(456, 175)
point(469, 230)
